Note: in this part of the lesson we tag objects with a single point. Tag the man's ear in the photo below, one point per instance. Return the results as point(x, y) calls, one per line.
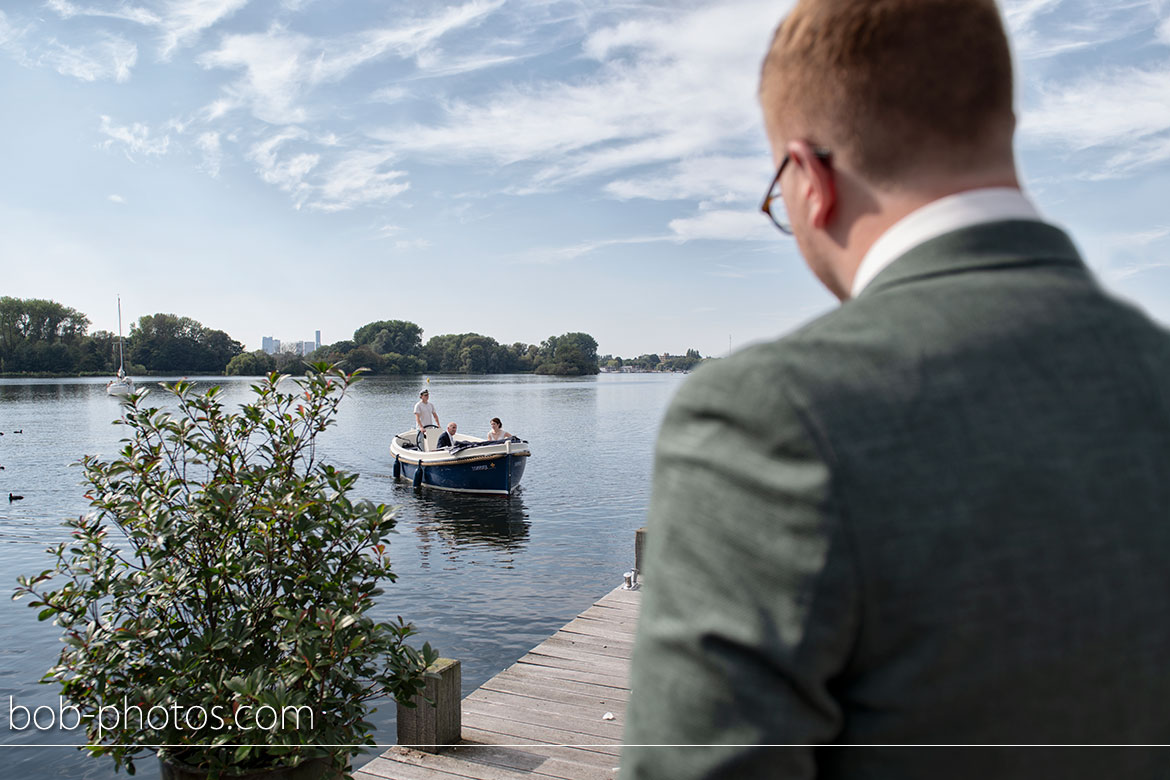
point(818, 185)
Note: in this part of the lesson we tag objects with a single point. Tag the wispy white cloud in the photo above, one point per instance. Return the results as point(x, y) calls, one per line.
point(1021, 15)
point(112, 57)
point(294, 161)
point(178, 23)
point(287, 173)
point(135, 139)
point(437, 64)
point(1041, 29)
point(386, 230)
point(1124, 111)
point(412, 39)
point(115, 198)
point(1138, 158)
point(723, 225)
point(279, 67)
point(360, 177)
point(8, 33)
point(124, 11)
point(218, 109)
point(1023, 18)
point(1121, 255)
point(720, 179)
point(209, 144)
point(275, 73)
point(184, 21)
point(668, 85)
point(707, 224)
point(551, 255)
point(392, 94)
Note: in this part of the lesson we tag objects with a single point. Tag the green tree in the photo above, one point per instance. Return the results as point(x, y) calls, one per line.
point(469, 353)
point(40, 335)
point(680, 362)
point(167, 342)
point(255, 363)
point(572, 354)
point(385, 336)
point(98, 353)
point(647, 362)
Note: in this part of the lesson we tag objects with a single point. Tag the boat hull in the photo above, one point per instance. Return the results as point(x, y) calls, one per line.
point(118, 388)
point(491, 474)
point(470, 465)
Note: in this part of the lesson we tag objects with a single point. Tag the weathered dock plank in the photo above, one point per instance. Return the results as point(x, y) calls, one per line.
point(556, 714)
point(549, 683)
point(529, 706)
point(521, 733)
point(613, 668)
point(565, 671)
point(531, 754)
point(590, 726)
point(609, 698)
point(558, 762)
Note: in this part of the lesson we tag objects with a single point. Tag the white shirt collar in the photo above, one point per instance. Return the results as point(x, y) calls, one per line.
point(974, 207)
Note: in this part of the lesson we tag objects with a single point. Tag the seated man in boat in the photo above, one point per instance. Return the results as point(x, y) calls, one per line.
point(447, 437)
point(497, 433)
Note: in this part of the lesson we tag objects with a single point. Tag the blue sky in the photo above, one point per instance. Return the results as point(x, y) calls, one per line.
point(515, 168)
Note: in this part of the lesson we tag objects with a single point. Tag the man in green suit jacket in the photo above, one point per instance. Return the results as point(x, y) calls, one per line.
point(940, 514)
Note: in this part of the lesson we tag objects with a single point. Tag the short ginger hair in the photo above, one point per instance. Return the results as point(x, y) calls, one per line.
point(896, 87)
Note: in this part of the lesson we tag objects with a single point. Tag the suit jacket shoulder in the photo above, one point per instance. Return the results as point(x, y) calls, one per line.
point(916, 519)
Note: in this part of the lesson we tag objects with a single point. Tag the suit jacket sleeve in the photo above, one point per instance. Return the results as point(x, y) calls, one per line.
point(749, 610)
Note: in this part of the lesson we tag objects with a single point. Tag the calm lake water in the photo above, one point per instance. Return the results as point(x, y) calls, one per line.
point(483, 579)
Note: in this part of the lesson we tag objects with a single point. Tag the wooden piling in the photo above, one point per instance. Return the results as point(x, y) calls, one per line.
point(429, 726)
point(639, 550)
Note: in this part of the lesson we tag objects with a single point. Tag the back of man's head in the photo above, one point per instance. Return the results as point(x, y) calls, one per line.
point(897, 88)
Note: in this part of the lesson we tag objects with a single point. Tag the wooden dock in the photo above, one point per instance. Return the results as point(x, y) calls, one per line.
point(558, 712)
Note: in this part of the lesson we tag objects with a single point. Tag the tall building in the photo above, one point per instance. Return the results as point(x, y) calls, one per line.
point(318, 340)
point(270, 345)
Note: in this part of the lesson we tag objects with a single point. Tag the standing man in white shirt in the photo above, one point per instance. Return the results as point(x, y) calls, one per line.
point(938, 513)
point(424, 411)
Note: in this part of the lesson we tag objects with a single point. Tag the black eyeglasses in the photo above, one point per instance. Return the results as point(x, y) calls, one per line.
point(773, 195)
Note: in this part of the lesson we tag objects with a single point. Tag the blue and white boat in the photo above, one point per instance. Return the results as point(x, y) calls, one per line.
point(470, 465)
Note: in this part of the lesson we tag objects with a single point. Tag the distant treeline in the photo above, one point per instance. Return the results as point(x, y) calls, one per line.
point(46, 337)
point(396, 347)
point(651, 362)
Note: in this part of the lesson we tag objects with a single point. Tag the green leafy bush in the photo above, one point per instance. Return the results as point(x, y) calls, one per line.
point(224, 566)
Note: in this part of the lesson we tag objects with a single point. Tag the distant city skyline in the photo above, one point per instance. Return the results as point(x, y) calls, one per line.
point(516, 168)
point(272, 345)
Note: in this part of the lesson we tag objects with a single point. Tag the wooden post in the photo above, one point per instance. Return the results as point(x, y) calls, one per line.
point(639, 550)
point(427, 727)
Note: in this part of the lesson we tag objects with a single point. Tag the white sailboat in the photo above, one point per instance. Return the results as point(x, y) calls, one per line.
point(120, 384)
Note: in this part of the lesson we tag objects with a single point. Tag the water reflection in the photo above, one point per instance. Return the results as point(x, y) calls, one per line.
point(461, 521)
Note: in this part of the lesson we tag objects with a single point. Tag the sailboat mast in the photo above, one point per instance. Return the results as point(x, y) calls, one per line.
point(121, 359)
